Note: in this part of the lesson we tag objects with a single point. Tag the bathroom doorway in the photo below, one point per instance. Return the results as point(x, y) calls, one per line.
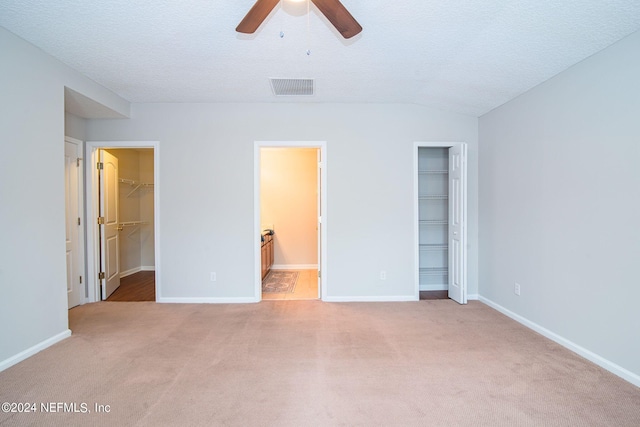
point(290, 221)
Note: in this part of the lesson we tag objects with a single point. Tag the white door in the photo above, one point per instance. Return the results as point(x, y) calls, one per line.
point(457, 223)
point(319, 228)
point(109, 233)
point(72, 195)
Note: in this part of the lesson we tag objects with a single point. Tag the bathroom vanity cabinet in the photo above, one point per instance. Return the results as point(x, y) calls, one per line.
point(267, 253)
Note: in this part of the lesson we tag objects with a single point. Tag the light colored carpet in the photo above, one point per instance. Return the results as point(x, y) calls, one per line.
point(280, 281)
point(309, 363)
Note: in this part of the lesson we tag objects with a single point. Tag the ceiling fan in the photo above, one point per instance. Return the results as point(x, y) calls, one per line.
point(333, 10)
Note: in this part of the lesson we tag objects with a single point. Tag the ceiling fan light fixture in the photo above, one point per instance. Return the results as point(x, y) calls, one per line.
point(333, 10)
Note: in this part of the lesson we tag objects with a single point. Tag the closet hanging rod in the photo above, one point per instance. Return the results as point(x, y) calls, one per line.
point(132, 223)
point(134, 182)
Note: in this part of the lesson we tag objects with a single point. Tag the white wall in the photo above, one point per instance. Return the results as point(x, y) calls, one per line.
point(289, 202)
point(560, 204)
point(33, 301)
point(206, 181)
point(74, 126)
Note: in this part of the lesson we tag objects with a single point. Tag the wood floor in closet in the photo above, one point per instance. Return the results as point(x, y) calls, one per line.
point(140, 286)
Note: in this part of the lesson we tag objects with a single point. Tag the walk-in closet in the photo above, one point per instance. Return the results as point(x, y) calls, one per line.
point(132, 200)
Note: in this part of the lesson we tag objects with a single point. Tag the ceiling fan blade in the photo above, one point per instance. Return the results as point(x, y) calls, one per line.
point(256, 15)
point(339, 16)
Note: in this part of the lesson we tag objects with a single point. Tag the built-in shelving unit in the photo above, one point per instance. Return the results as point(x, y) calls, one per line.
point(433, 172)
point(132, 223)
point(433, 217)
point(137, 185)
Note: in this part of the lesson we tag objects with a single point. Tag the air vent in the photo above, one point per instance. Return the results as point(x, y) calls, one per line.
point(292, 87)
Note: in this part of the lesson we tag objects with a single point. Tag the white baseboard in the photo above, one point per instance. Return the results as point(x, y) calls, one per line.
point(33, 350)
point(473, 297)
point(137, 270)
point(294, 267)
point(434, 287)
point(587, 354)
point(129, 272)
point(209, 300)
point(388, 298)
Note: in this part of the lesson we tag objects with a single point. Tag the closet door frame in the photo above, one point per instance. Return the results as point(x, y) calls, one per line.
point(416, 203)
point(92, 233)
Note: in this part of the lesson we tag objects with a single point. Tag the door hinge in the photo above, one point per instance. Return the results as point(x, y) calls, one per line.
point(101, 275)
point(78, 161)
point(78, 220)
point(319, 274)
point(100, 165)
point(100, 220)
point(81, 280)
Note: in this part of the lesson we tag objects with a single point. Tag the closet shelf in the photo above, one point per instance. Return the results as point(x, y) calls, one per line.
point(433, 172)
point(434, 197)
point(133, 182)
point(132, 223)
point(136, 184)
point(434, 247)
point(434, 271)
point(433, 222)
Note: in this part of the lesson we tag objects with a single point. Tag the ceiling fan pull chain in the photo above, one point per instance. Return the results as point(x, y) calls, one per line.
point(281, 19)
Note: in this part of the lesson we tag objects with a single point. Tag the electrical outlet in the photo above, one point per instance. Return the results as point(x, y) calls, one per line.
point(213, 276)
point(383, 275)
point(516, 289)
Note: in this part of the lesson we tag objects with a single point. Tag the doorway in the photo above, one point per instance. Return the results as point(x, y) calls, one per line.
point(290, 220)
point(440, 220)
point(122, 243)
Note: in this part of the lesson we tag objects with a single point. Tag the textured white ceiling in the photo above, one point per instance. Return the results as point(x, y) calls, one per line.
point(466, 56)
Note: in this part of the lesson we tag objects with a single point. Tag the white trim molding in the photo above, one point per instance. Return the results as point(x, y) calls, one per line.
point(130, 272)
point(434, 287)
point(137, 270)
point(570, 345)
point(294, 267)
point(5, 364)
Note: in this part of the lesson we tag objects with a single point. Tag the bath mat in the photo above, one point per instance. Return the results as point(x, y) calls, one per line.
point(280, 282)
